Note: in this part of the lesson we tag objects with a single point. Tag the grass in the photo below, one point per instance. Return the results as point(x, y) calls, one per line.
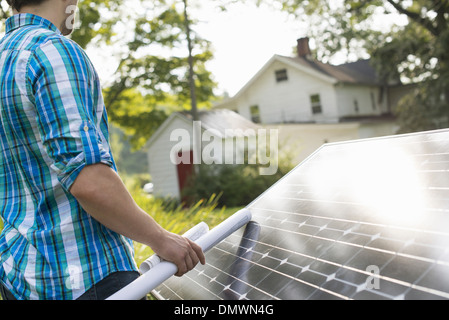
point(180, 220)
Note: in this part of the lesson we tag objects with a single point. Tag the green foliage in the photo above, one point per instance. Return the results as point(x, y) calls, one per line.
point(236, 182)
point(137, 115)
point(129, 161)
point(154, 59)
point(95, 21)
point(423, 109)
point(237, 185)
point(156, 67)
point(419, 53)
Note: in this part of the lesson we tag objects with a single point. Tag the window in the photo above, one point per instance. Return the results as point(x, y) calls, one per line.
point(356, 106)
point(373, 101)
point(281, 75)
point(315, 101)
point(255, 113)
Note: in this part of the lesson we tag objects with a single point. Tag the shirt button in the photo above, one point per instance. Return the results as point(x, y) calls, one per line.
point(86, 128)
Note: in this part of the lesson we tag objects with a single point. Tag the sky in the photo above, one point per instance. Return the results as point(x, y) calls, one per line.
point(243, 39)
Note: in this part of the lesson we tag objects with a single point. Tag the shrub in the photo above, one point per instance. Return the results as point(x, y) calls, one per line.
point(238, 185)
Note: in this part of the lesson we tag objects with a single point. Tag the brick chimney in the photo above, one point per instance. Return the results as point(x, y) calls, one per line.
point(303, 48)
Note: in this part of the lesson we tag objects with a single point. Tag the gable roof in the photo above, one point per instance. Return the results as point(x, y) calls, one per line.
point(163, 126)
point(226, 123)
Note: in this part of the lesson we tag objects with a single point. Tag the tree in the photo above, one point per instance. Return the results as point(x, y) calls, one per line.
point(416, 51)
point(156, 64)
point(95, 20)
point(419, 53)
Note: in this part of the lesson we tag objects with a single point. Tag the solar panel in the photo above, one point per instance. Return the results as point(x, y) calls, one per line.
point(366, 219)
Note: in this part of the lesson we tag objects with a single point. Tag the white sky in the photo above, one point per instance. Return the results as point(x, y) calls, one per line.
point(243, 38)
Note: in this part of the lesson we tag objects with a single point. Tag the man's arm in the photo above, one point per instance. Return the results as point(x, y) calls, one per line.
point(101, 192)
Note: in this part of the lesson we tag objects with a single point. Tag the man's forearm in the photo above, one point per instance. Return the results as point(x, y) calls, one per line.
point(101, 192)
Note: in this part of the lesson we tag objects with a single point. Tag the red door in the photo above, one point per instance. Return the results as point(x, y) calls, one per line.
point(185, 170)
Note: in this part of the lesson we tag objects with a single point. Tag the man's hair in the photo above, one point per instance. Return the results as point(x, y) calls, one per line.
point(18, 4)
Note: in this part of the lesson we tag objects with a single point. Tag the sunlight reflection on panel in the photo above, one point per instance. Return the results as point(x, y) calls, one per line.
point(383, 179)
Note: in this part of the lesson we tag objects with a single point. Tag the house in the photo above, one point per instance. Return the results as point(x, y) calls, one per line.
point(302, 90)
point(180, 143)
point(305, 102)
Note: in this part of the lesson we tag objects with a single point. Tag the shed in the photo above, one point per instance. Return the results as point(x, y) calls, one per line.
point(173, 152)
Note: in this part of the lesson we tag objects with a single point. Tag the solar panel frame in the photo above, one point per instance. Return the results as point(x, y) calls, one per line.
point(320, 230)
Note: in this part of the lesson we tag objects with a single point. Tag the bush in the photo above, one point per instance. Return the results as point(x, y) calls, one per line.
point(238, 185)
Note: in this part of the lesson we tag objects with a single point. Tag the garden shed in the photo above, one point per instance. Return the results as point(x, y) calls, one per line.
point(181, 143)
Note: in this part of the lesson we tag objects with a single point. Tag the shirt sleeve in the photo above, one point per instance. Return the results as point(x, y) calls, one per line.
point(67, 96)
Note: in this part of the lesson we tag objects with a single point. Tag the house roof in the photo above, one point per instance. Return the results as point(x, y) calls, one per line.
point(359, 72)
point(222, 123)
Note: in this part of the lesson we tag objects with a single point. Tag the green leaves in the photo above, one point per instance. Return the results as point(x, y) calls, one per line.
point(95, 20)
point(156, 66)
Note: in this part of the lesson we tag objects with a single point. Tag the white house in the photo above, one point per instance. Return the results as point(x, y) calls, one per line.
point(180, 143)
point(303, 90)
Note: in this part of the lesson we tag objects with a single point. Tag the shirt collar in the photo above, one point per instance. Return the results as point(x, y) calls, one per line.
point(24, 19)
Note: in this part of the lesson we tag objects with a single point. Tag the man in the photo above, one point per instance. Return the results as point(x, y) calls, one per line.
point(68, 219)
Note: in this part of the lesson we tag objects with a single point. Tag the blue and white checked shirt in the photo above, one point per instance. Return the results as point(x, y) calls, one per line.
point(53, 123)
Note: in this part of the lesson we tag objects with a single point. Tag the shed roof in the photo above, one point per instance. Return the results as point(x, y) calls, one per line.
point(223, 123)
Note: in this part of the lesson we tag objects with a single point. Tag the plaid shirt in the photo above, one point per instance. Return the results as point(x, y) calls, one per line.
point(53, 123)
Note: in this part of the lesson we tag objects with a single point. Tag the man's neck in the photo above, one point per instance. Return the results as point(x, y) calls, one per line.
point(50, 10)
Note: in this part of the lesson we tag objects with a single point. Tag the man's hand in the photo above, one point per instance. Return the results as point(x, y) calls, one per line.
point(184, 253)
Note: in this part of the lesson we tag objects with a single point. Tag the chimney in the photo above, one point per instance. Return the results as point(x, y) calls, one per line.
point(303, 48)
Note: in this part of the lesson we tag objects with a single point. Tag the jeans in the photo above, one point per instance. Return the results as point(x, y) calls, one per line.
point(6, 295)
point(109, 285)
point(99, 291)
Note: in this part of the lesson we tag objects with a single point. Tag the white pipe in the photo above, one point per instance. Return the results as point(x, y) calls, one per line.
point(193, 234)
point(162, 271)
